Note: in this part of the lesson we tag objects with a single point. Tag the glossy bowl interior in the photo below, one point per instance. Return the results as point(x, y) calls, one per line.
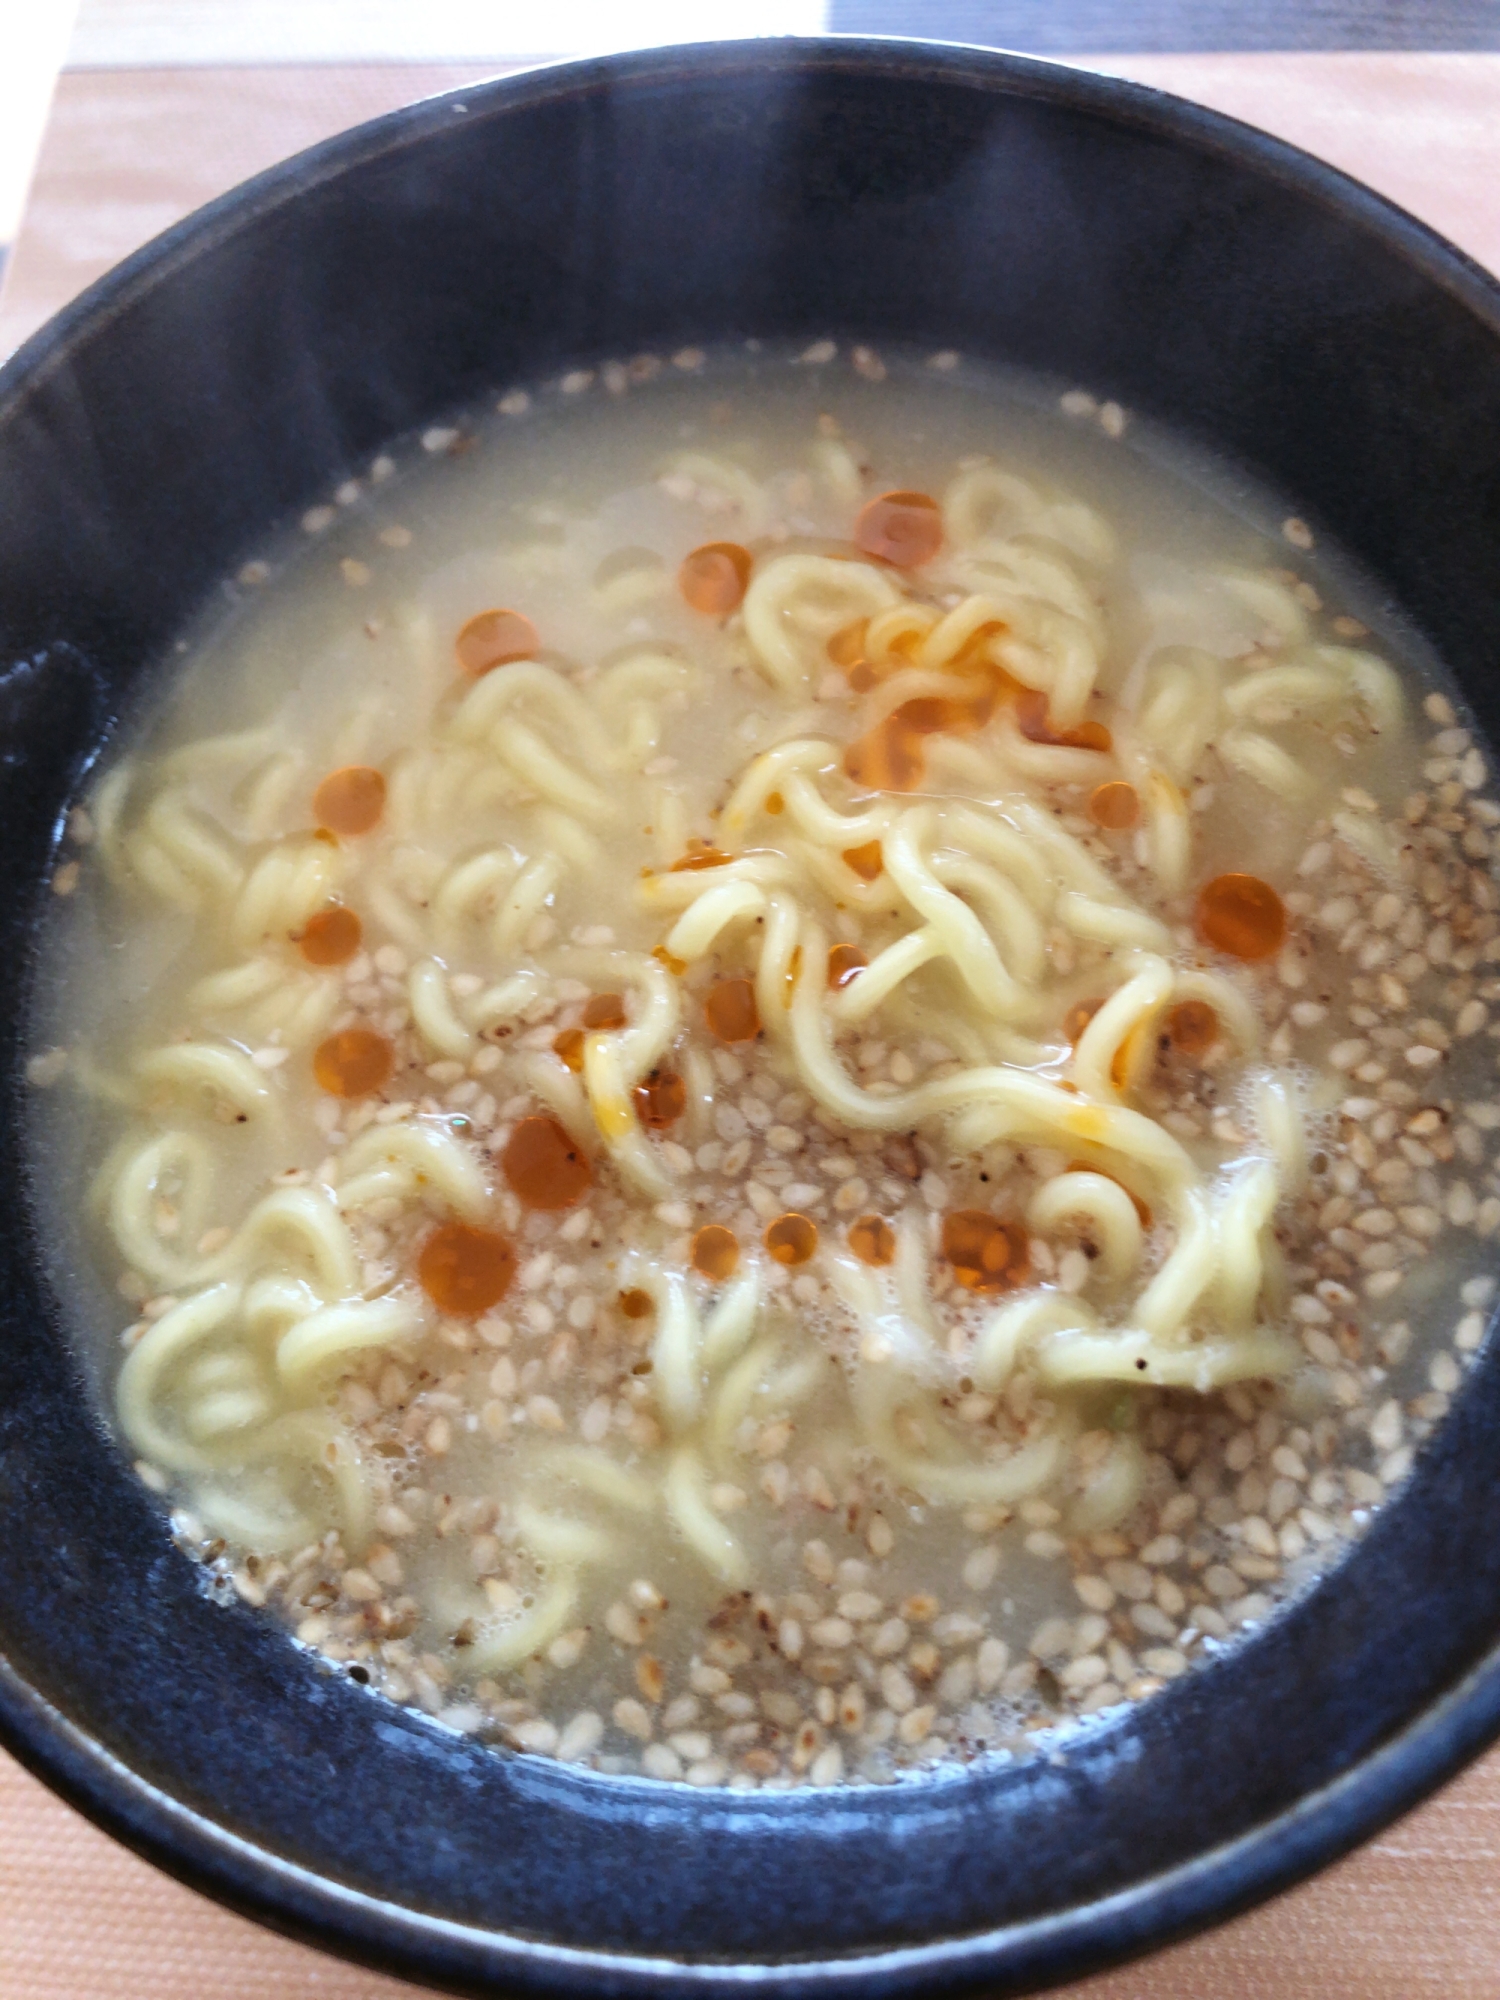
point(231, 374)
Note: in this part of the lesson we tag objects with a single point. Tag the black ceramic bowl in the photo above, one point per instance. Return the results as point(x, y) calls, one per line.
point(153, 435)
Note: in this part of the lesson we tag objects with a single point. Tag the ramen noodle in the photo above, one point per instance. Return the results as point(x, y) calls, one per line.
point(786, 1069)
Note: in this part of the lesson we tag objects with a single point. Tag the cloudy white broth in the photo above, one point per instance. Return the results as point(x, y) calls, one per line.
point(784, 1066)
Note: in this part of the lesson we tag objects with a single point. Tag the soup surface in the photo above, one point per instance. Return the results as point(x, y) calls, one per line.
point(786, 1067)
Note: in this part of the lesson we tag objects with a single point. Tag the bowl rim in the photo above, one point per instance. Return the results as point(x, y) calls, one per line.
point(1006, 72)
point(1070, 1944)
point(1219, 1883)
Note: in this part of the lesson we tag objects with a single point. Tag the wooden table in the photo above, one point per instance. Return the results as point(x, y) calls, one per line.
point(1417, 1912)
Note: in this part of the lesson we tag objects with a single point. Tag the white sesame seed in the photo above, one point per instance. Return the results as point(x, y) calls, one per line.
point(1164, 1661)
point(1085, 1673)
point(1386, 1426)
point(981, 1567)
point(582, 1736)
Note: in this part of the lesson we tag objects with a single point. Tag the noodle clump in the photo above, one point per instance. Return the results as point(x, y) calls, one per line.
point(713, 1081)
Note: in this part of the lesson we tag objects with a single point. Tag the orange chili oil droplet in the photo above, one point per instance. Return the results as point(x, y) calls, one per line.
point(569, 1047)
point(714, 579)
point(353, 1062)
point(544, 1166)
point(716, 1252)
point(634, 1303)
point(932, 715)
point(699, 855)
point(331, 936)
point(1032, 718)
point(775, 804)
point(1241, 915)
point(351, 800)
point(1115, 806)
point(465, 1271)
point(987, 1254)
point(494, 639)
point(1078, 1017)
point(1035, 725)
point(661, 1100)
point(792, 1238)
point(604, 1010)
point(847, 646)
point(676, 966)
point(866, 862)
point(731, 1012)
point(849, 649)
point(890, 757)
point(845, 963)
point(901, 528)
point(873, 1240)
point(1193, 1027)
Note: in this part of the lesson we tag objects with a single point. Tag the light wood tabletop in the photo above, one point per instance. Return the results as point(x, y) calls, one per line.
point(127, 151)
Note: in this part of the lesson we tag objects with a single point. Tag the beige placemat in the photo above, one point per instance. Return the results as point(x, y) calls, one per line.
point(1416, 1913)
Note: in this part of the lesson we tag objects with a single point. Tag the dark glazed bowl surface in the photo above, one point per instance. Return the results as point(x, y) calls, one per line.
point(234, 372)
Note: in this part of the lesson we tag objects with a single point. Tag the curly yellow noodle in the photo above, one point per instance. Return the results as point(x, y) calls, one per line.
point(282, 891)
point(740, 493)
point(164, 1341)
point(1167, 1303)
point(1111, 1491)
point(686, 1489)
point(433, 1012)
point(585, 1468)
point(796, 604)
point(857, 1001)
point(1017, 1325)
point(880, 1392)
point(554, 1085)
point(985, 504)
point(773, 971)
point(411, 1160)
point(329, 1336)
point(210, 1071)
point(524, 903)
point(1126, 1016)
point(697, 930)
point(138, 1172)
point(553, 1538)
point(1243, 1218)
point(1103, 1207)
point(677, 1349)
point(1257, 757)
point(503, 1643)
point(1126, 1356)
